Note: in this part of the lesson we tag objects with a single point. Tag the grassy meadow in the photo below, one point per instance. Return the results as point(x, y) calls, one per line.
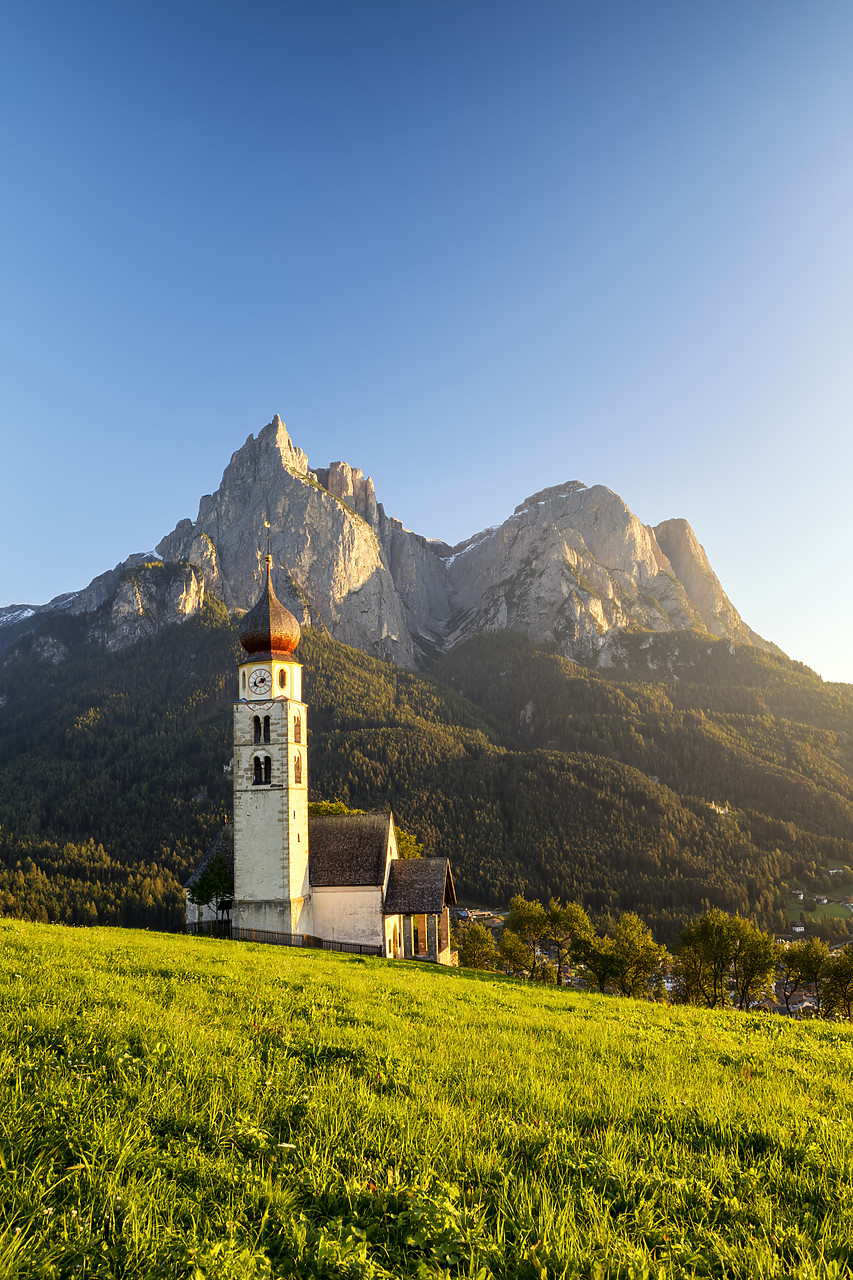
point(182, 1107)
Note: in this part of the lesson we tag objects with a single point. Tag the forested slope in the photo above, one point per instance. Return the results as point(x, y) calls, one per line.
point(533, 774)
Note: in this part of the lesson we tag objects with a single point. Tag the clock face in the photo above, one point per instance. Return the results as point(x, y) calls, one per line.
point(260, 681)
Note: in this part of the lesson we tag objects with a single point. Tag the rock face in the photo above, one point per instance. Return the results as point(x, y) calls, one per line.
point(147, 598)
point(329, 566)
point(690, 565)
point(572, 565)
point(575, 565)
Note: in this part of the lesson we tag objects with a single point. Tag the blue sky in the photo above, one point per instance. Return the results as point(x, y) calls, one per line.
point(475, 247)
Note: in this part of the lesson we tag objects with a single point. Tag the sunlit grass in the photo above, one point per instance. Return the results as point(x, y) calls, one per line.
point(186, 1107)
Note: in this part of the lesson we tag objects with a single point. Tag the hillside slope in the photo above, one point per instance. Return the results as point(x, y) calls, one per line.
point(190, 1108)
point(533, 774)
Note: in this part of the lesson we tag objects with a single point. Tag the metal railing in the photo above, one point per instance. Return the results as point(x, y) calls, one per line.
point(225, 929)
point(211, 928)
point(237, 934)
point(354, 948)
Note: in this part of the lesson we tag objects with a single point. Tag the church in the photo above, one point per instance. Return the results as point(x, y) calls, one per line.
point(331, 880)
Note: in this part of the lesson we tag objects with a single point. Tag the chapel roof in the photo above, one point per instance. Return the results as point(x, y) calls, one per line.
point(269, 629)
point(222, 844)
point(348, 849)
point(419, 886)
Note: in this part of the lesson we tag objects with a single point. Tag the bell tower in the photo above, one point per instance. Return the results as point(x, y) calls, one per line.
point(271, 888)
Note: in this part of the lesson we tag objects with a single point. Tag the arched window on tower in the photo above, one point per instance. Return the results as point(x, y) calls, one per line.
point(297, 767)
point(266, 728)
point(267, 769)
point(282, 678)
point(258, 772)
point(297, 728)
point(256, 726)
point(243, 683)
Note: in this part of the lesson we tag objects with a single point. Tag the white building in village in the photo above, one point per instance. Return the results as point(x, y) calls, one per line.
point(327, 880)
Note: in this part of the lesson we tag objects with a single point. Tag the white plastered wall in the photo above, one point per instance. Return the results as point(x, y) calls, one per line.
point(350, 914)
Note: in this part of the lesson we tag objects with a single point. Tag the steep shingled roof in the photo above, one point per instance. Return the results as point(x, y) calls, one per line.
point(348, 849)
point(419, 886)
point(223, 844)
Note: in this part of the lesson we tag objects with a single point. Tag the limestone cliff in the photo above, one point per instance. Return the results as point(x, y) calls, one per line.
point(147, 598)
point(690, 565)
point(572, 565)
point(329, 564)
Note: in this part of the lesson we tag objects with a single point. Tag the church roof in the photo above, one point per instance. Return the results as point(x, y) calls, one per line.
point(419, 886)
point(269, 629)
point(223, 844)
point(348, 849)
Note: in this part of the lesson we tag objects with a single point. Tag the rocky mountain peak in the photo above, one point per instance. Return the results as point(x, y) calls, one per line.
point(572, 565)
point(691, 566)
point(274, 440)
point(349, 484)
point(544, 496)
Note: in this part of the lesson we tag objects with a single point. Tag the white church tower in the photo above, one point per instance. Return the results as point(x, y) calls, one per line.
point(271, 887)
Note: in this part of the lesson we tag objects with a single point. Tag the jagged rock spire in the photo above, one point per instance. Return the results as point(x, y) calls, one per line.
point(269, 630)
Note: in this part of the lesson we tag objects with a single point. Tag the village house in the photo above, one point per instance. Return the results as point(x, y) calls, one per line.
point(330, 880)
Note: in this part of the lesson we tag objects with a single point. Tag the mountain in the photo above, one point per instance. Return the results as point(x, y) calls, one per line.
point(591, 719)
point(571, 566)
point(715, 785)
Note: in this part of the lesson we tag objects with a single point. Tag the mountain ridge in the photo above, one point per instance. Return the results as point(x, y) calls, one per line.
point(572, 565)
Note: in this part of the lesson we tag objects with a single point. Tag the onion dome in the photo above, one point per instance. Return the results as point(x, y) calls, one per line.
point(269, 630)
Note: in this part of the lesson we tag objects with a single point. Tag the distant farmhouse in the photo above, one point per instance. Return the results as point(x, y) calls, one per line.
point(334, 880)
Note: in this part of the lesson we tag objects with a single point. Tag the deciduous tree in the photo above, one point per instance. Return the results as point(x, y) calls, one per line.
point(838, 991)
point(640, 959)
point(526, 934)
point(754, 957)
point(567, 924)
point(598, 962)
point(703, 961)
point(815, 962)
point(477, 949)
point(215, 885)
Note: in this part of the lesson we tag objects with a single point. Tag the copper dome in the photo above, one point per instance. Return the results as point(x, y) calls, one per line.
point(269, 628)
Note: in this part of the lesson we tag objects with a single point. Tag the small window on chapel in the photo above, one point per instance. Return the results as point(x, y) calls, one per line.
point(282, 678)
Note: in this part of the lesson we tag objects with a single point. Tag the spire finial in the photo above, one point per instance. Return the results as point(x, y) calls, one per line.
point(269, 629)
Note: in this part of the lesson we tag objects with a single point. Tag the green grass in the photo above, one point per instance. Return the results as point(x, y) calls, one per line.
point(822, 911)
point(830, 911)
point(183, 1107)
